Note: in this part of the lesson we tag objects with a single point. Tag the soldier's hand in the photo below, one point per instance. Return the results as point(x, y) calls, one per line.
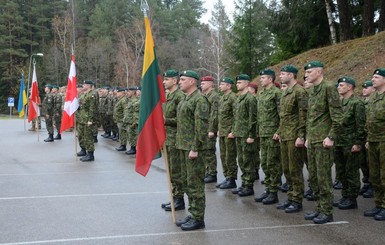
point(192, 154)
point(250, 140)
point(306, 143)
point(276, 137)
point(231, 136)
point(367, 145)
point(211, 134)
point(299, 142)
point(328, 143)
point(356, 148)
point(89, 123)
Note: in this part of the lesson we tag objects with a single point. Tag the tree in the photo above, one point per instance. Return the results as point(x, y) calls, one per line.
point(329, 13)
point(381, 20)
point(345, 19)
point(368, 18)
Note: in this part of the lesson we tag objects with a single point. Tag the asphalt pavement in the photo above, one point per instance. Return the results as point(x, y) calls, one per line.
point(47, 196)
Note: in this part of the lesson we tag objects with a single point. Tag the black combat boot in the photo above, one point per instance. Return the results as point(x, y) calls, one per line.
point(262, 196)
point(88, 158)
point(348, 203)
point(82, 153)
point(271, 198)
point(210, 178)
point(230, 184)
point(121, 148)
point(178, 205)
point(95, 139)
point(132, 151)
point(49, 139)
point(58, 137)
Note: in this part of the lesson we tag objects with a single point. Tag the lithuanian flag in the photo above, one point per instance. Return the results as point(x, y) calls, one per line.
point(152, 133)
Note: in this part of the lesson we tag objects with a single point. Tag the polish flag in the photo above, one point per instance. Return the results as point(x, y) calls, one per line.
point(71, 101)
point(33, 107)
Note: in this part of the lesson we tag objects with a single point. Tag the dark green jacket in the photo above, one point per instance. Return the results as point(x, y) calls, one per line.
point(226, 113)
point(170, 114)
point(245, 116)
point(268, 111)
point(375, 118)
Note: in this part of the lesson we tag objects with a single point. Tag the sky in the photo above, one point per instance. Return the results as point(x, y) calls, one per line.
point(209, 5)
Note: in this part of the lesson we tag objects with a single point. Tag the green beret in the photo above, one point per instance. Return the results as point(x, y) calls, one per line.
point(227, 80)
point(48, 85)
point(190, 73)
point(269, 72)
point(55, 86)
point(346, 79)
point(133, 88)
point(88, 82)
point(122, 89)
point(243, 77)
point(380, 71)
point(313, 64)
point(289, 68)
point(171, 73)
point(367, 84)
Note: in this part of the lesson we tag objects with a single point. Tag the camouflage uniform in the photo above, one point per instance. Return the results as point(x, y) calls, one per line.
point(97, 123)
point(375, 125)
point(88, 106)
point(133, 123)
point(364, 161)
point(58, 111)
point(268, 122)
point(293, 109)
point(48, 109)
point(227, 146)
point(192, 124)
point(118, 119)
point(211, 158)
point(177, 176)
point(348, 162)
point(323, 120)
point(103, 111)
point(245, 121)
point(109, 112)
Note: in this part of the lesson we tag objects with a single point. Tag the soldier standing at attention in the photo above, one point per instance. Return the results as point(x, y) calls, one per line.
point(323, 125)
point(103, 107)
point(207, 87)
point(227, 146)
point(118, 118)
point(245, 133)
point(48, 110)
point(110, 113)
point(86, 118)
point(174, 97)
point(291, 134)
point(134, 120)
point(349, 143)
point(191, 139)
point(58, 102)
point(268, 122)
point(375, 126)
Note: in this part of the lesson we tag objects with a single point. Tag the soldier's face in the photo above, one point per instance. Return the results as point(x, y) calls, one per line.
point(185, 83)
point(47, 90)
point(206, 85)
point(169, 82)
point(378, 81)
point(283, 86)
point(265, 80)
point(242, 85)
point(285, 77)
point(366, 92)
point(251, 90)
point(224, 87)
point(343, 88)
point(312, 74)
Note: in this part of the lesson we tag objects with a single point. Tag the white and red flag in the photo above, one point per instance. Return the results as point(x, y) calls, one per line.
point(71, 101)
point(33, 107)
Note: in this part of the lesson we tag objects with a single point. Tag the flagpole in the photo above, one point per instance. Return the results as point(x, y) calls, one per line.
point(169, 182)
point(75, 141)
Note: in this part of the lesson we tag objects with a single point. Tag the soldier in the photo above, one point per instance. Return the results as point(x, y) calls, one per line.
point(110, 113)
point(268, 121)
point(227, 146)
point(245, 133)
point(48, 110)
point(86, 119)
point(323, 125)
point(366, 191)
point(207, 87)
point(58, 102)
point(291, 134)
point(191, 139)
point(118, 118)
point(349, 143)
point(375, 126)
point(103, 107)
point(177, 176)
point(134, 120)
point(97, 123)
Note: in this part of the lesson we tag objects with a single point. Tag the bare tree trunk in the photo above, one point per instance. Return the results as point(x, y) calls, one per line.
point(368, 18)
point(329, 12)
point(381, 21)
point(345, 19)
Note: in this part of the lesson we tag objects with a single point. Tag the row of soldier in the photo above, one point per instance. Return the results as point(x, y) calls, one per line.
point(318, 124)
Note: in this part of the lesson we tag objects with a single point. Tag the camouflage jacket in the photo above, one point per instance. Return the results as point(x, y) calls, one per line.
point(324, 115)
point(134, 112)
point(353, 122)
point(170, 114)
point(110, 104)
point(119, 109)
point(88, 107)
point(226, 113)
point(192, 123)
point(292, 113)
point(245, 116)
point(375, 118)
point(268, 111)
point(48, 105)
point(58, 102)
point(213, 98)
point(103, 105)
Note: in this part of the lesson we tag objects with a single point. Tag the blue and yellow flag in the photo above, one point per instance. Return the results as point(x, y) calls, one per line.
point(22, 98)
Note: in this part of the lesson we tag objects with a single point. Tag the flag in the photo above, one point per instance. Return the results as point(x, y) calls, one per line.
point(33, 109)
point(71, 103)
point(22, 98)
point(152, 133)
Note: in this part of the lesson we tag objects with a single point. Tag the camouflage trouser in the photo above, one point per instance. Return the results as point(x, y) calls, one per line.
point(257, 156)
point(108, 121)
point(228, 153)
point(195, 188)
point(114, 127)
point(133, 135)
point(246, 162)
point(348, 167)
point(86, 137)
point(211, 159)
point(364, 165)
point(57, 119)
point(376, 154)
point(49, 124)
point(320, 172)
point(271, 163)
point(177, 173)
point(38, 123)
point(292, 166)
point(123, 134)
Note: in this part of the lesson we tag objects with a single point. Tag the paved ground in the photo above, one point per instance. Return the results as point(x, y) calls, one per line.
point(48, 197)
